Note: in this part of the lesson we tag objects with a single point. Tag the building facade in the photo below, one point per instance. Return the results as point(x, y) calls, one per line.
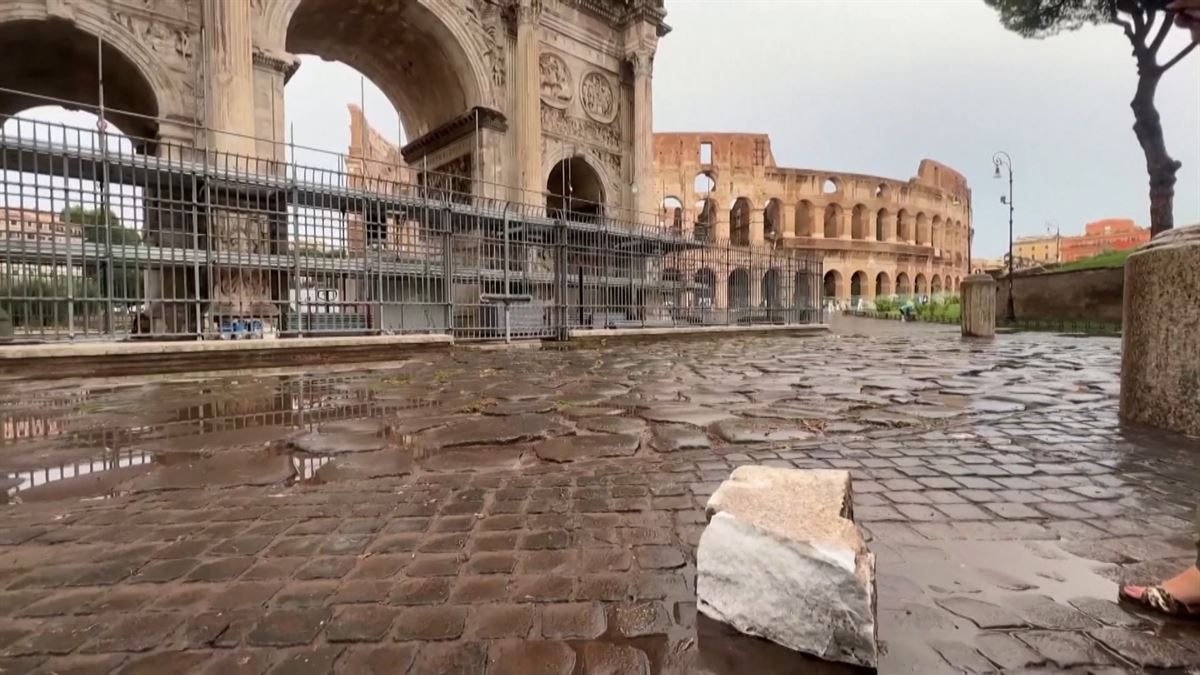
point(878, 237)
point(1037, 250)
point(1101, 236)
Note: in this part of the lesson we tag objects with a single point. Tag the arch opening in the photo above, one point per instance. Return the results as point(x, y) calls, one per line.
point(921, 285)
point(739, 288)
point(414, 57)
point(833, 221)
point(739, 222)
point(706, 284)
point(772, 220)
point(881, 227)
point(706, 215)
point(58, 60)
point(858, 222)
point(858, 285)
point(832, 285)
point(772, 289)
point(672, 214)
point(703, 184)
point(804, 219)
point(574, 191)
point(883, 285)
point(903, 284)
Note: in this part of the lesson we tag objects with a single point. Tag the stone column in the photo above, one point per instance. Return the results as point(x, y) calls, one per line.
point(1160, 350)
point(239, 224)
point(643, 132)
point(979, 306)
point(756, 227)
point(229, 95)
point(787, 222)
point(721, 227)
point(528, 104)
point(846, 231)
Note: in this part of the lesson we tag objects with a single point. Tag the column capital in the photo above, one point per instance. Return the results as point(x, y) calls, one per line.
point(642, 59)
point(529, 12)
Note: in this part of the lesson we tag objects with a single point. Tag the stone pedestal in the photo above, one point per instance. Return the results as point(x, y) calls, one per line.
point(782, 559)
point(1160, 355)
point(979, 306)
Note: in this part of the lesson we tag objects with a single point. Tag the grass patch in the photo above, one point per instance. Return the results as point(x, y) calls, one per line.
point(1101, 261)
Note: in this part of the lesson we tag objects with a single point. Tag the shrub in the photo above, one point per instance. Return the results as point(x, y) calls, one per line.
point(885, 305)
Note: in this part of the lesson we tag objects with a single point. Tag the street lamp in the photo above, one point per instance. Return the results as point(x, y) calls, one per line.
point(1001, 159)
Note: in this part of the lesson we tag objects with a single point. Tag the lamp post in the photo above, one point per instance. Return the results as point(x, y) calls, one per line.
point(1001, 159)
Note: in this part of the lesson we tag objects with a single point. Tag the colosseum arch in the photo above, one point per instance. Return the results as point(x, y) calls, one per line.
point(883, 285)
point(739, 222)
point(921, 285)
point(773, 220)
point(575, 190)
point(858, 285)
point(672, 214)
point(833, 221)
point(903, 285)
point(935, 285)
point(859, 228)
point(772, 288)
point(904, 226)
point(706, 219)
point(833, 285)
point(883, 192)
point(937, 235)
point(421, 54)
point(881, 225)
point(60, 59)
point(706, 285)
point(924, 237)
point(804, 218)
point(739, 288)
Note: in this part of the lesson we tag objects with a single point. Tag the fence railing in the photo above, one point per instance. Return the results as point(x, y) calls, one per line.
point(99, 240)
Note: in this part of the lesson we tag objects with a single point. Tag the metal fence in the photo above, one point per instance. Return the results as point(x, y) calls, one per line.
point(111, 237)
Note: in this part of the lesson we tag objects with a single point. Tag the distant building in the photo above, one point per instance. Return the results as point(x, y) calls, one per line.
point(42, 232)
point(1039, 250)
point(1112, 234)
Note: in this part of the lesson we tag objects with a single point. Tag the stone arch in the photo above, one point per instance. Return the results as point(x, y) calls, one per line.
point(833, 221)
point(773, 219)
point(935, 285)
point(804, 297)
point(883, 191)
point(858, 285)
point(58, 59)
point(704, 184)
point(883, 285)
point(706, 285)
point(739, 223)
point(881, 225)
point(672, 214)
point(903, 284)
point(904, 226)
point(704, 228)
point(739, 288)
point(831, 186)
point(859, 228)
point(772, 288)
point(937, 236)
point(923, 232)
point(422, 54)
point(804, 218)
point(575, 190)
point(833, 285)
point(920, 285)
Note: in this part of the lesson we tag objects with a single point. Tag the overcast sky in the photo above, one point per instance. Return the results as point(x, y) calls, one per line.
point(873, 86)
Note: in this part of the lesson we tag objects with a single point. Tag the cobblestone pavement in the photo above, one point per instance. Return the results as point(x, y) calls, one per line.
point(538, 511)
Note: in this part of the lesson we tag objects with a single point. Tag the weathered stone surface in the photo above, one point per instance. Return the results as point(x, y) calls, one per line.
point(226, 469)
point(671, 438)
point(1148, 651)
point(686, 414)
point(592, 446)
point(760, 431)
point(530, 657)
point(337, 442)
point(611, 424)
point(781, 559)
point(367, 465)
point(492, 431)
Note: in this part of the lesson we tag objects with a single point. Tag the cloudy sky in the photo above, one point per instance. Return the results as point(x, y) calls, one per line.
point(873, 86)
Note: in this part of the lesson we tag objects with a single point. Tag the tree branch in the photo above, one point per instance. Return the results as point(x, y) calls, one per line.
point(1125, 27)
point(1139, 24)
point(1178, 57)
point(1168, 21)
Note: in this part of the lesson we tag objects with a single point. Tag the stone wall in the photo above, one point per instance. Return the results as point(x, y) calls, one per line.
point(1078, 294)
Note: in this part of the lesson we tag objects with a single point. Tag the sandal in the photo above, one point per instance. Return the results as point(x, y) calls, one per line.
point(1156, 599)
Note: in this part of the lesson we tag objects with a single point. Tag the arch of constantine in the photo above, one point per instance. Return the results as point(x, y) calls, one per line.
point(878, 237)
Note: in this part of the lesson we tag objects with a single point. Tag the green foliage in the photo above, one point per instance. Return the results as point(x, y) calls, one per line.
point(1099, 261)
point(43, 302)
point(940, 311)
point(127, 288)
point(1042, 18)
point(885, 305)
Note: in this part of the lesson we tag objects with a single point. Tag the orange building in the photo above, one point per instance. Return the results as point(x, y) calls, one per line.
point(1111, 234)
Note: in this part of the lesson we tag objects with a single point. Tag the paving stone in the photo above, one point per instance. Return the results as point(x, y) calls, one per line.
point(93, 664)
point(309, 661)
point(658, 557)
point(641, 619)
point(981, 613)
point(603, 658)
point(1008, 653)
point(288, 627)
point(395, 659)
point(1146, 650)
point(56, 636)
point(1108, 613)
point(509, 657)
point(1044, 612)
point(420, 591)
point(430, 623)
point(364, 623)
point(239, 662)
point(165, 662)
point(1066, 650)
point(579, 620)
point(136, 633)
point(501, 621)
point(963, 658)
point(461, 658)
point(224, 569)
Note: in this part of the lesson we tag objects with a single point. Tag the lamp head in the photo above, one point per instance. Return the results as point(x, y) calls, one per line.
point(1003, 199)
point(997, 174)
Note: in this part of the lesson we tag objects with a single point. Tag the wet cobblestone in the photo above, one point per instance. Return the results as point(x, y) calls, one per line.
point(1000, 494)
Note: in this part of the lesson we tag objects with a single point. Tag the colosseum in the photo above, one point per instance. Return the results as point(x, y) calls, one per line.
point(878, 237)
